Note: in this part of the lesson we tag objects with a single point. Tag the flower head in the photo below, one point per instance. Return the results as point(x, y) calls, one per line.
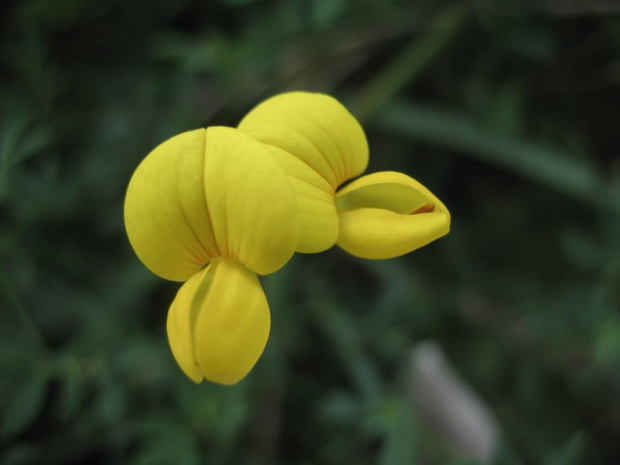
point(215, 207)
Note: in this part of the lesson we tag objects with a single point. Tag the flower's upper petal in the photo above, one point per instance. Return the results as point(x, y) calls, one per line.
point(389, 190)
point(319, 144)
point(315, 128)
point(377, 233)
point(251, 203)
point(165, 211)
point(219, 322)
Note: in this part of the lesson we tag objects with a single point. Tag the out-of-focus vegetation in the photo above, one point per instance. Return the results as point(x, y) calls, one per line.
point(508, 111)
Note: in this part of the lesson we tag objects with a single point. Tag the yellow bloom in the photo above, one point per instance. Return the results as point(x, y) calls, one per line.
point(215, 207)
point(213, 195)
point(321, 145)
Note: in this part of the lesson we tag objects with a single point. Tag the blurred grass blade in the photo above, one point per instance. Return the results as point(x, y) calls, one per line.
point(409, 64)
point(20, 140)
point(399, 441)
point(70, 392)
point(570, 453)
point(537, 162)
point(24, 405)
point(15, 302)
point(348, 346)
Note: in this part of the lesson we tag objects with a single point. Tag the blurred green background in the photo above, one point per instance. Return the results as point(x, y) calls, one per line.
point(507, 111)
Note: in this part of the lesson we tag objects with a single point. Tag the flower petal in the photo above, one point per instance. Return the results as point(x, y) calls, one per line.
point(315, 128)
point(378, 233)
point(315, 198)
point(250, 200)
point(165, 213)
point(388, 190)
point(219, 322)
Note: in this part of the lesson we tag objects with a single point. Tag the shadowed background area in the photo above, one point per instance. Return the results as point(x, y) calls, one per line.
point(499, 343)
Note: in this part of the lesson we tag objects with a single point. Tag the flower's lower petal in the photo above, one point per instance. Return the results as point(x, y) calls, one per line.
point(376, 233)
point(181, 320)
point(388, 190)
point(218, 324)
point(315, 128)
point(232, 324)
point(251, 203)
point(315, 199)
point(165, 214)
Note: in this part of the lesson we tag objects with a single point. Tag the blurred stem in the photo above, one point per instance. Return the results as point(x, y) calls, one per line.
point(409, 64)
point(329, 59)
point(535, 161)
point(268, 424)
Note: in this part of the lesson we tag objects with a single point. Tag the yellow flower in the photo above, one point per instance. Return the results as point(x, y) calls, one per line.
point(321, 145)
point(215, 207)
point(213, 195)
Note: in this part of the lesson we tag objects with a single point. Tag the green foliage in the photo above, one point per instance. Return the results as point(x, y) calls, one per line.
point(506, 110)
